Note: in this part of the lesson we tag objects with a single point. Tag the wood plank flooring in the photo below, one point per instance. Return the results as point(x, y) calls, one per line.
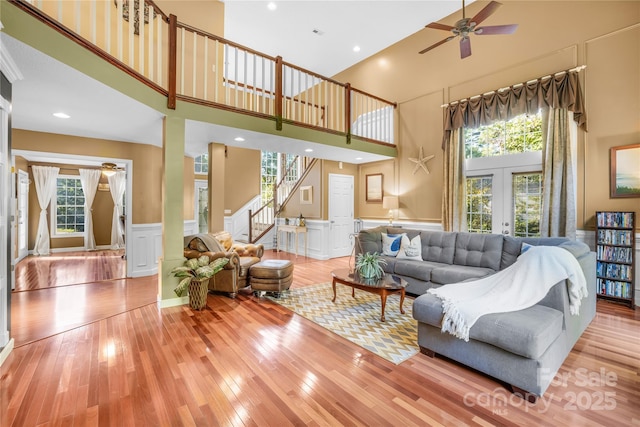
point(69, 268)
point(248, 361)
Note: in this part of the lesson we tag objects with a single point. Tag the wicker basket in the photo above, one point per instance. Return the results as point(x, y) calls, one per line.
point(198, 290)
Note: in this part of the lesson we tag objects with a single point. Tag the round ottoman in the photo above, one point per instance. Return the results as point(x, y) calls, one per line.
point(272, 275)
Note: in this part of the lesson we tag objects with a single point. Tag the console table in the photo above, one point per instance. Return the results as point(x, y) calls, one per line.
point(295, 230)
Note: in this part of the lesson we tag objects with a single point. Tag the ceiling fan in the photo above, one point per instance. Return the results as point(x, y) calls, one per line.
point(466, 26)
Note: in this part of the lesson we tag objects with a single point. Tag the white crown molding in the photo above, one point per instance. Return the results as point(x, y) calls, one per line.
point(8, 65)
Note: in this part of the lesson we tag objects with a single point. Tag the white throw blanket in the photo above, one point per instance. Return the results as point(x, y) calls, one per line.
point(517, 287)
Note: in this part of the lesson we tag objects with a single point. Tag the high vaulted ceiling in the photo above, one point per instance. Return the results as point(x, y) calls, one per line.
point(100, 112)
point(320, 35)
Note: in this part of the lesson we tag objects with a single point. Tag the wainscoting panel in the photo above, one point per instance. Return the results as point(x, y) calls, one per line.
point(147, 249)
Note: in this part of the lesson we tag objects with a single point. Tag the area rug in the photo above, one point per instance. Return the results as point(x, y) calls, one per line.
point(358, 319)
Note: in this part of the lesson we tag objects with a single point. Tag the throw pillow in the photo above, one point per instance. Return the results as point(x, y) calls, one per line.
point(391, 243)
point(410, 249)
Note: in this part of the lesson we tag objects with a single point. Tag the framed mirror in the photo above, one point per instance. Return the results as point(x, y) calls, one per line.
point(306, 195)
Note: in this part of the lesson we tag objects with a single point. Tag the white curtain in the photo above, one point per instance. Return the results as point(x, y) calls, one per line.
point(117, 183)
point(89, 180)
point(45, 179)
point(559, 165)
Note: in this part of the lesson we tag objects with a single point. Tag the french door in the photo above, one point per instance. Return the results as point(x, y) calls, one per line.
point(23, 214)
point(504, 200)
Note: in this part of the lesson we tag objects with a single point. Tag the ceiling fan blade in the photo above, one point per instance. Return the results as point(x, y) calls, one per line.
point(496, 29)
point(437, 44)
point(438, 26)
point(465, 47)
point(486, 12)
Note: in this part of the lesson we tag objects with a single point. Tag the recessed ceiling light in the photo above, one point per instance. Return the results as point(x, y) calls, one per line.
point(61, 115)
point(356, 48)
point(272, 6)
point(239, 139)
point(358, 158)
point(308, 150)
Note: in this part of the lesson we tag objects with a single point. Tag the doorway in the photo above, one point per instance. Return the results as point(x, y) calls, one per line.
point(22, 214)
point(201, 208)
point(341, 203)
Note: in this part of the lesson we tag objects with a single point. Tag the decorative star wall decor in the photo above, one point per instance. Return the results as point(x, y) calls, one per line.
point(421, 161)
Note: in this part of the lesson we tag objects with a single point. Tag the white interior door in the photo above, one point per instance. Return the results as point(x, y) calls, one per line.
point(23, 214)
point(340, 214)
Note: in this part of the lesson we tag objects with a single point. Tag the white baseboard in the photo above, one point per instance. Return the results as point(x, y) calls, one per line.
point(6, 350)
point(173, 302)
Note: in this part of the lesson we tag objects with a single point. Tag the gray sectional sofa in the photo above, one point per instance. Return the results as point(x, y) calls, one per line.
point(523, 349)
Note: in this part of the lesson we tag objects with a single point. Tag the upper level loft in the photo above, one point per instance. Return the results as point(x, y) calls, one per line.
point(186, 64)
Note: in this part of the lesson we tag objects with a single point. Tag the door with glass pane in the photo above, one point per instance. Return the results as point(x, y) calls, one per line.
point(201, 208)
point(504, 200)
point(23, 214)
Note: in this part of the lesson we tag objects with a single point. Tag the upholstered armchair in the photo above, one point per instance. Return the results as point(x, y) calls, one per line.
point(241, 257)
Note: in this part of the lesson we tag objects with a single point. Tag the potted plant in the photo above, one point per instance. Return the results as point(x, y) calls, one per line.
point(194, 275)
point(369, 265)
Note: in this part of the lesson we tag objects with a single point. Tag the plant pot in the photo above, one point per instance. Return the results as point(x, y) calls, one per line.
point(198, 289)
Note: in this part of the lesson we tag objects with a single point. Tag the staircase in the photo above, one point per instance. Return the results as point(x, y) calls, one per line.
point(264, 218)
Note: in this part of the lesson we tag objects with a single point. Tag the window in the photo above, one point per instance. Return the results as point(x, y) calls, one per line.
point(68, 206)
point(269, 175)
point(504, 181)
point(201, 164)
point(479, 204)
point(274, 167)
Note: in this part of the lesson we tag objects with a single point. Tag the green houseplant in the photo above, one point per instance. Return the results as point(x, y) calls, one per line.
point(194, 275)
point(369, 265)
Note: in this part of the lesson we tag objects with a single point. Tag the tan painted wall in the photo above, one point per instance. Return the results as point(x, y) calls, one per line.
point(242, 177)
point(293, 209)
point(550, 38)
point(147, 164)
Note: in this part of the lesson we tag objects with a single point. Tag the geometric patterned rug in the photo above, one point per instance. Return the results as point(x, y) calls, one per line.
point(358, 319)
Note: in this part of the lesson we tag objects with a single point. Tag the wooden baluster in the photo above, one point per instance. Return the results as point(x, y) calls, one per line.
point(173, 46)
point(347, 111)
point(278, 93)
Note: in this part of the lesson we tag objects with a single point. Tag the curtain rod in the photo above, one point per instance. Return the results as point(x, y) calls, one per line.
point(578, 68)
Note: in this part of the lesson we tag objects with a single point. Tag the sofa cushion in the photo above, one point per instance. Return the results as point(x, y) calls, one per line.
point(410, 249)
point(370, 240)
point(390, 265)
point(417, 269)
point(510, 251)
point(527, 332)
point(438, 246)
point(458, 273)
point(478, 250)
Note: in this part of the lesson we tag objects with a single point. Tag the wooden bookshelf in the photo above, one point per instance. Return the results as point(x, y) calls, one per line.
point(616, 251)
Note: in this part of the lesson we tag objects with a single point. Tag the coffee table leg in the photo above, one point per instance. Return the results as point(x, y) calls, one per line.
point(333, 284)
point(383, 298)
point(401, 300)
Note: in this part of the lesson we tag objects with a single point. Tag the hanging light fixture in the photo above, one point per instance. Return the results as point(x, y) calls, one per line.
point(109, 169)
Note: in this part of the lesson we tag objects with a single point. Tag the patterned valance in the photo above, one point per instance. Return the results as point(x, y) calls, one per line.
point(557, 91)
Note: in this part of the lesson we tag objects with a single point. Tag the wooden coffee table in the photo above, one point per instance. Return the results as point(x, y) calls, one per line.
point(387, 285)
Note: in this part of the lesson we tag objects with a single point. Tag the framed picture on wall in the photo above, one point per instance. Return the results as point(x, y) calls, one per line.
point(373, 187)
point(625, 171)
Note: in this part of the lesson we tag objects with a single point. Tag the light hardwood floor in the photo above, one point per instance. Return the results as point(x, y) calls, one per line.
point(103, 354)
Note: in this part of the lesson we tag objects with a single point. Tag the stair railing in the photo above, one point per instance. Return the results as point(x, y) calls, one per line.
point(263, 220)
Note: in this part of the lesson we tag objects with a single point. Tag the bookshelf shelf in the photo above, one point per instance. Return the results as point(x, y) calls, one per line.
point(615, 251)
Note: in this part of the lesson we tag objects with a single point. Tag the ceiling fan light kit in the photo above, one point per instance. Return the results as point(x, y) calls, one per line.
point(467, 26)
